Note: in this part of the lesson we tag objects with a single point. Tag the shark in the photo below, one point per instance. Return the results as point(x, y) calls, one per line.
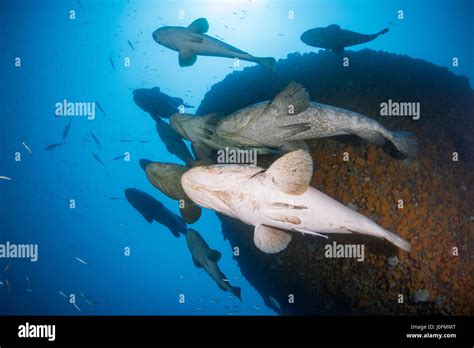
point(166, 177)
point(192, 41)
point(290, 118)
point(207, 258)
point(278, 201)
point(336, 39)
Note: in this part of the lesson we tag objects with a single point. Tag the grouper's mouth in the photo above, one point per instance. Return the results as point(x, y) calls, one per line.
point(213, 198)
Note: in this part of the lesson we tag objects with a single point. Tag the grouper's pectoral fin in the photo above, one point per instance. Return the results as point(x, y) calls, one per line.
point(291, 173)
point(187, 57)
point(293, 99)
point(295, 145)
point(270, 240)
point(196, 263)
point(190, 212)
point(201, 151)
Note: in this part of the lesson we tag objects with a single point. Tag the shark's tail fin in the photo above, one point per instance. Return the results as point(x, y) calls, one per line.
point(405, 142)
point(236, 292)
point(267, 62)
point(384, 31)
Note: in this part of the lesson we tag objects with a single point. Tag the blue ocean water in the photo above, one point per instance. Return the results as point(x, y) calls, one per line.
point(82, 59)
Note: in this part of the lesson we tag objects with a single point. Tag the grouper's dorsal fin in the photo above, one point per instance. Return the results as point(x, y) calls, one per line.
point(200, 26)
point(270, 240)
point(293, 99)
point(292, 172)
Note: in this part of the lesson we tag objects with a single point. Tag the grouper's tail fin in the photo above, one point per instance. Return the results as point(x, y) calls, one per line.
point(398, 241)
point(405, 142)
point(267, 62)
point(383, 31)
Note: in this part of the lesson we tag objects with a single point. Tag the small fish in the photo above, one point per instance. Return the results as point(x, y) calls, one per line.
point(198, 308)
point(29, 290)
point(391, 23)
point(119, 157)
point(144, 141)
point(225, 280)
point(66, 129)
point(213, 300)
point(96, 140)
point(116, 198)
point(98, 159)
point(125, 140)
point(256, 307)
point(52, 146)
point(62, 294)
point(89, 299)
point(27, 148)
point(3, 177)
point(202, 298)
point(130, 44)
point(180, 277)
point(112, 62)
point(79, 2)
point(7, 267)
point(1, 283)
point(81, 260)
point(75, 305)
point(28, 280)
point(100, 108)
point(8, 286)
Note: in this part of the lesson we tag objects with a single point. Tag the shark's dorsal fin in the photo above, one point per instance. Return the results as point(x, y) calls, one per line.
point(292, 172)
point(333, 27)
point(270, 240)
point(187, 57)
point(292, 100)
point(200, 25)
point(214, 255)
